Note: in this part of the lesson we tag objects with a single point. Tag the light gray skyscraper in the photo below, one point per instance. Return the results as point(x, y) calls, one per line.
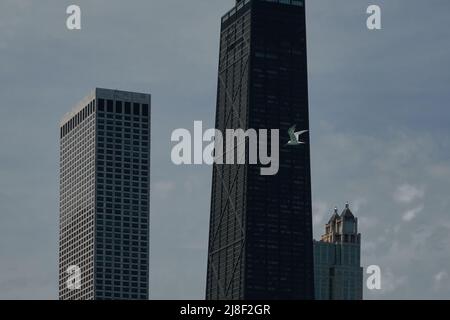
point(104, 197)
point(337, 270)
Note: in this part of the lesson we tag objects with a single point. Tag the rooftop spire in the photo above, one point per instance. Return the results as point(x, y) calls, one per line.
point(347, 213)
point(334, 216)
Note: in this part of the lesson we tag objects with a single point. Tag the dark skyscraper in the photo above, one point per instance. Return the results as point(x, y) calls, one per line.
point(104, 197)
point(260, 242)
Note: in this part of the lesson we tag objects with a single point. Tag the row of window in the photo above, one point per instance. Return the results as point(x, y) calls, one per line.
point(114, 116)
point(126, 172)
point(126, 182)
point(122, 265)
point(126, 211)
point(110, 151)
point(120, 144)
point(126, 234)
point(117, 205)
point(126, 126)
point(123, 107)
point(119, 195)
point(119, 137)
point(126, 285)
point(109, 295)
point(137, 170)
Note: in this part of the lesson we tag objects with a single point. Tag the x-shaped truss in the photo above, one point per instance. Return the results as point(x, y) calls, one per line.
point(232, 98)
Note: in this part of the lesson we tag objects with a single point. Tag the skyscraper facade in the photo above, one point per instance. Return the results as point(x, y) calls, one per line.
point(104, 196)
point(260, 241)
point(337, 259)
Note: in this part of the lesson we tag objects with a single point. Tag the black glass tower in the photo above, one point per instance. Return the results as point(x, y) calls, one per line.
point(260, 242)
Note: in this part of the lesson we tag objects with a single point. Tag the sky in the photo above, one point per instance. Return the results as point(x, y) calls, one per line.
point(380, 135)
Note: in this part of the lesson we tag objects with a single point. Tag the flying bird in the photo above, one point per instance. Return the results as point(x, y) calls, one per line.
point(295, 136)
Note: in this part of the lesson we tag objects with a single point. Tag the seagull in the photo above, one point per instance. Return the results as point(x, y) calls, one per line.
point(295, 136)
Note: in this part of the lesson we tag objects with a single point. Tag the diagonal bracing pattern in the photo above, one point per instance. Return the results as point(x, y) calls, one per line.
point(232, 114)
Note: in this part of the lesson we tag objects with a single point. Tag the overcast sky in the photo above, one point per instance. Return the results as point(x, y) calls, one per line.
point(380, 115)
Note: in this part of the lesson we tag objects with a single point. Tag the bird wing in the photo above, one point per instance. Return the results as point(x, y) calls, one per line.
point(298, 134)
point(291, 133)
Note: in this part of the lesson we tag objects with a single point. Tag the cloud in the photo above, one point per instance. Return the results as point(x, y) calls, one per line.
point(407, 193)
point(439, 277)
point(163, 188)
point(391, 282)
point(440, 280)
point(440, 171)
point(192, 183)
point(320, 210)
point(411, 214)
point(357, 204)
